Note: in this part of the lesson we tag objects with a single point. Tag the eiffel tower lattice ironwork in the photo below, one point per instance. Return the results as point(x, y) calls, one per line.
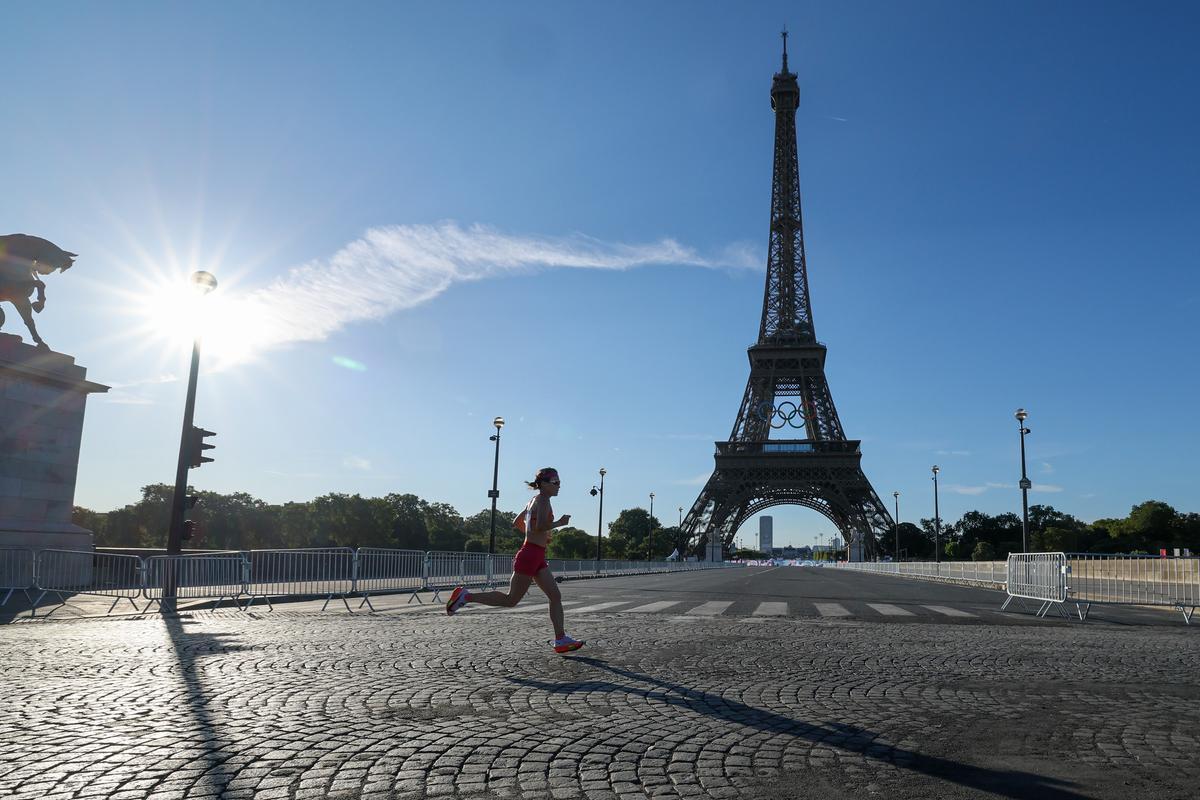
point(787, 391)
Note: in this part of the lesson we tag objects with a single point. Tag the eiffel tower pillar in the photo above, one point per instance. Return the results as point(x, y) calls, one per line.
point(787, 446)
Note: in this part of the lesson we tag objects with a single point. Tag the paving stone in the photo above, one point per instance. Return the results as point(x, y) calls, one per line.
point(303, 705)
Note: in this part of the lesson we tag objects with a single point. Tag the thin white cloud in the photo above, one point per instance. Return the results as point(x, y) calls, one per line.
point(953, 452)
point(126, 399)
point(684, 437)
point(399, 267)
point(958, 488)
point(356, 462)
point(699, 480)
point(1047, 468)
point(121, 394)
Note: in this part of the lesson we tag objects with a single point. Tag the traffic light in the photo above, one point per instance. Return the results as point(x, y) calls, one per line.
point(189, 528)
point(190, 500)
point(197, 446)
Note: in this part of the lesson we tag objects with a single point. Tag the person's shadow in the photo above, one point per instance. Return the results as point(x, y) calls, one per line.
point(1006, 783)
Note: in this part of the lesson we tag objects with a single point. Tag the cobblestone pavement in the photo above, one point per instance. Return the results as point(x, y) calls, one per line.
point(293, 704)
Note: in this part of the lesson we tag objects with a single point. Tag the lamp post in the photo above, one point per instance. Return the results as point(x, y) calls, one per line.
point(202, 283)
point(495, 492)
point(650, 545)
point(1026, 484)
point(896, 524)
point(937, 520)
point(600, 520)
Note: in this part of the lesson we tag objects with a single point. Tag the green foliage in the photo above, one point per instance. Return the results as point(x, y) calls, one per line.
point(571, 542)
point(628, 533)
point(983, 552)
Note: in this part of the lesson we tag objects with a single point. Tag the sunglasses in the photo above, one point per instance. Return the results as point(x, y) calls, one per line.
point(555, 482)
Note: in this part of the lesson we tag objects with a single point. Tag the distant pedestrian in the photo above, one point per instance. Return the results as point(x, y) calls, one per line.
point(529, 565)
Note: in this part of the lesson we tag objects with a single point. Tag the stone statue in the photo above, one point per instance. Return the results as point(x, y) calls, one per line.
point(22, 259)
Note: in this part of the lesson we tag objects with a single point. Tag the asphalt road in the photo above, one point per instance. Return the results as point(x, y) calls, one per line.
point(815, 592)
point(732, 684)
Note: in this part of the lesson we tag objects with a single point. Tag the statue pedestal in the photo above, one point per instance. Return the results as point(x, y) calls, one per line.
point(42, 398)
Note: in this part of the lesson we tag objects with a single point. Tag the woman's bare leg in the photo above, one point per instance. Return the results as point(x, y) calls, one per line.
point(545, 582)
point(517, 586)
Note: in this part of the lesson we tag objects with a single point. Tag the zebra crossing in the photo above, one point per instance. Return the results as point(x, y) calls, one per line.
point(729, 608)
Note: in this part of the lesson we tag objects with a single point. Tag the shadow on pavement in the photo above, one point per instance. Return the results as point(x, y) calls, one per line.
point(1006, 783)
point(188, 649)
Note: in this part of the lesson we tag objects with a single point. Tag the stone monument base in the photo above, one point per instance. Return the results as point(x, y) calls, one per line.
point(42, 397)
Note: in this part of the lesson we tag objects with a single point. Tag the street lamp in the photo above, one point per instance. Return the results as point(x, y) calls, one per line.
point(495, 493)
point(1026, 484)
point(202, 284)
point(600, 520)
point(650, 546)
point(937, 520)
point(896, 524)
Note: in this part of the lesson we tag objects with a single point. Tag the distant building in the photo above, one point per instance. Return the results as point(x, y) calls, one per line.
point(765, 533)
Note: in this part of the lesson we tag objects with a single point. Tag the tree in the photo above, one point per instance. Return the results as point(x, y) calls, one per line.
point(913, 542)
point(627, 534)
point(983, 552)
point(408, 522)
point(571, 542)
point(478, 528)
point(445, 527)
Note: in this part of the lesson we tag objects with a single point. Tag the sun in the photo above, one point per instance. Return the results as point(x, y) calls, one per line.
point(177, 314)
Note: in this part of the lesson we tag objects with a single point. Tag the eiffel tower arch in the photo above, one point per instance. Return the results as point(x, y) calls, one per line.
point(787, 394)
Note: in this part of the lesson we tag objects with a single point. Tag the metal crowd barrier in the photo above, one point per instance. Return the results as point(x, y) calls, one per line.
point(85, 572)
point(1037, 576)
point(442, 571)
point(329, 572)
point(1134, 580)
point(194, 578)
point(16, 571)
point(303, 572)
point(379, 570)
point(977, 573)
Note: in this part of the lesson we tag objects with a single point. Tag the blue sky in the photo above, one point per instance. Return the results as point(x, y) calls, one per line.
point(558, 213)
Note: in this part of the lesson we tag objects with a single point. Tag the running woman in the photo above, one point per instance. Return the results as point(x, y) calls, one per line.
point(529, 564)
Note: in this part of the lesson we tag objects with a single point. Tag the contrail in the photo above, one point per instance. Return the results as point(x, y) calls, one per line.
point(397, 267)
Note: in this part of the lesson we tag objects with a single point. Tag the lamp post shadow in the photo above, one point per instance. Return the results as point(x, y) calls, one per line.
point(214, 748)
point(1015, 784)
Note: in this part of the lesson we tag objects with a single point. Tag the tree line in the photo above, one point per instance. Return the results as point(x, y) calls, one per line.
point(404, 521)
point(1150, 527)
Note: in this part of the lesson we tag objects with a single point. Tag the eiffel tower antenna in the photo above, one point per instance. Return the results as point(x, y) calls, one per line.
point(787, 393)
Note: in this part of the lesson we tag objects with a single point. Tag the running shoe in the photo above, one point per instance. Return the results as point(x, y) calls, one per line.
point(566, 645)
point(458, 599)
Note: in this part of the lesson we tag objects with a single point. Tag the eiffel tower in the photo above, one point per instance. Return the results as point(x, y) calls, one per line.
point(787, 392)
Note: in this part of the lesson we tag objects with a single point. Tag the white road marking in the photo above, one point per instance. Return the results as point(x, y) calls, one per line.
point(771, 610)
point(710, 609)
point(831, 610)
point(652, 607)
point(890, 610)
point(598, 607)
point(949, 612)
point(529, 608)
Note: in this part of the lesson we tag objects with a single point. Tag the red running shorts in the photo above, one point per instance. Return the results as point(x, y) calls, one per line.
point(529, 559)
